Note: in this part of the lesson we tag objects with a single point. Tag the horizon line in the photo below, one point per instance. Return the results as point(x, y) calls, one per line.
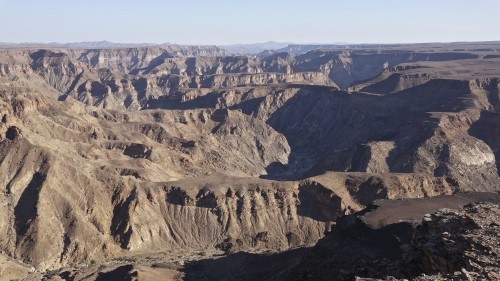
point(248, 43)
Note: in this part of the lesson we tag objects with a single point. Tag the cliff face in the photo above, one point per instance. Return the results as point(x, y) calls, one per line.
point(129, 78)
point(133, 78)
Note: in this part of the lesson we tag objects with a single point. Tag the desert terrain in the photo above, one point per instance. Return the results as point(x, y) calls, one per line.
point(309, 162)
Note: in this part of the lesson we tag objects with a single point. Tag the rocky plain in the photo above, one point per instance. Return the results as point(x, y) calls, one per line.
point(169, 162)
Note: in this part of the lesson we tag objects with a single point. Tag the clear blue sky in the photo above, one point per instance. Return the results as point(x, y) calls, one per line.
point(249, 21)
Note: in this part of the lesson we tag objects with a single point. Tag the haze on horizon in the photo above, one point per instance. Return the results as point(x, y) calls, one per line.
point(234, 22)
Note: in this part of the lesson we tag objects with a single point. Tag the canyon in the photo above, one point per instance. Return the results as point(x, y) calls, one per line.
point(186, 162)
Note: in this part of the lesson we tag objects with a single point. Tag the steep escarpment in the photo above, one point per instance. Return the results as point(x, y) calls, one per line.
point(134, 78)
point(227, 213)
point(128, 59)
point(347, 67)
point(440, 238)
point(90, 178)
point(360, 132)
point(407, 75)
point(50, 223)
point(129, 78)
point(187, 142)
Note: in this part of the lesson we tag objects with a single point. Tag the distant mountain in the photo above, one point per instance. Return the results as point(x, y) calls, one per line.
point(298, 49)
point(241, 49)
point(77, 45)
point(106, 44)
point(167, 49)
point(251, 49)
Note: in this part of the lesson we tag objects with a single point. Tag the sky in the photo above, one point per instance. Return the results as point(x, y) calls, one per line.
point(223, 22)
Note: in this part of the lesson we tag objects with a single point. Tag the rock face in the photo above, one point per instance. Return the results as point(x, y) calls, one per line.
point(389, 239)
point(463, 241)
point(114, 153)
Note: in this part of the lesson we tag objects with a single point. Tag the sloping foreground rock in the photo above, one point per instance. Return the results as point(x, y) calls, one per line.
point(462, 244)
point(450, 244)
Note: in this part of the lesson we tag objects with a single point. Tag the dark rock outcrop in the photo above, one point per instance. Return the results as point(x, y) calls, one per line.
point(390, 240)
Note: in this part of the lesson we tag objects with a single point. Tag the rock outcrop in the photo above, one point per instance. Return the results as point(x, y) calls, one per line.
point(461, 244)
point(391, 240)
